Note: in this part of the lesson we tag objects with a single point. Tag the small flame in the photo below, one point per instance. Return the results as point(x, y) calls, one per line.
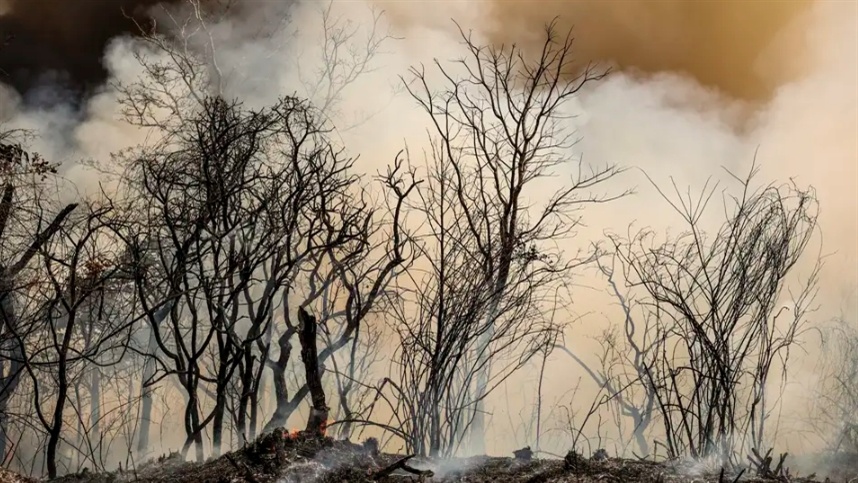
point(294, 433)
point(290, 434)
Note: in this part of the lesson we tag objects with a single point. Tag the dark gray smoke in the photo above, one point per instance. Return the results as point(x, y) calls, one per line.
point(60, 44)
point(55, 48)
point(726, 45)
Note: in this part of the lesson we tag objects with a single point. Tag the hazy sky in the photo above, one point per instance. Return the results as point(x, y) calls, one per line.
point(698, 85)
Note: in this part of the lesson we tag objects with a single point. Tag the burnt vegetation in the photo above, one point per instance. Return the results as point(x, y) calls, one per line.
point(240, 275)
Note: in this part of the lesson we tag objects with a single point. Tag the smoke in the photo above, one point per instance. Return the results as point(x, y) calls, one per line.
point(697, 86)
point(62, 43)
point(726, 45)
point(701, 85)
point(795, 110)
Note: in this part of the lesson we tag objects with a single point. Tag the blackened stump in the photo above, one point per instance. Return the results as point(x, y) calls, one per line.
point(318, 419)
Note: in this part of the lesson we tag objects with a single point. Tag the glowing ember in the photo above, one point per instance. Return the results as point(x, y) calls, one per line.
point(289, 434)
point(294, 433)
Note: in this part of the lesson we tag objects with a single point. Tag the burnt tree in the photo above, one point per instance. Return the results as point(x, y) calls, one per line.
point(21, 175)
point(719, 308)
point(497, 124)
point(310, 357)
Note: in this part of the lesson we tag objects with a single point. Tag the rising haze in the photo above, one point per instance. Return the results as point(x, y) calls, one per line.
point(741, 48)
point(696, 86)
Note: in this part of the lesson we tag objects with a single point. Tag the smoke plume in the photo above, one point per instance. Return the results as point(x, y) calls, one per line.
point(62, 43)
point(697, 86)
point(728, 45)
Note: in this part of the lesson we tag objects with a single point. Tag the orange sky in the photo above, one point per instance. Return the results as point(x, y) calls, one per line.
point(722, 43)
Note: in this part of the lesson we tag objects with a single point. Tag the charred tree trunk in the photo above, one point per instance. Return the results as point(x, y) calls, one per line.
point(54, 435)
point(56, 428)
point(193, 428)
point(256, 375)
point(217, 431)
point(148, 375)
point(241, 421)
point(281, 390)
point(246, 371)
point(310, 357)
point(223, 376)
point(346, 429)
point(95, 403)
point(10, 373)
point(254, 416)
point(254, 394)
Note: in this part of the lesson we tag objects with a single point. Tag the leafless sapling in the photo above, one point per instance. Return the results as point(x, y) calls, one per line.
point(717, 301)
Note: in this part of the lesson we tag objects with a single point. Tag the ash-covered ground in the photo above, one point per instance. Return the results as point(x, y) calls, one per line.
point(281, 458)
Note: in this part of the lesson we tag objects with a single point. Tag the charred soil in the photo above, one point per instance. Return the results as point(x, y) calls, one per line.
point(289, 458)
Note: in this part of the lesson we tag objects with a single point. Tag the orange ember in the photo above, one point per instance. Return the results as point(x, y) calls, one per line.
point(294, 433)
point(290, 434)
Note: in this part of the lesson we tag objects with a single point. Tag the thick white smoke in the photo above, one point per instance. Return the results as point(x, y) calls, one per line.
point(666, 124)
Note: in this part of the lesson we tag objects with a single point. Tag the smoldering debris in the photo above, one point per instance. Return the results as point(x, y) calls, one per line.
point(291, 457)
point(523, 454)
point(7, 476)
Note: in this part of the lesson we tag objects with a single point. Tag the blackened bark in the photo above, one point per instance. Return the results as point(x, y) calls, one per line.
point(254, 415)
point(56, 427)
point(281, 390)
point(244, 397)
point(193, 428)
point(310, 357)
point(254, 393)
point(217, 430)
point(148, 375)
point(95, 402)
point(10, 374)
